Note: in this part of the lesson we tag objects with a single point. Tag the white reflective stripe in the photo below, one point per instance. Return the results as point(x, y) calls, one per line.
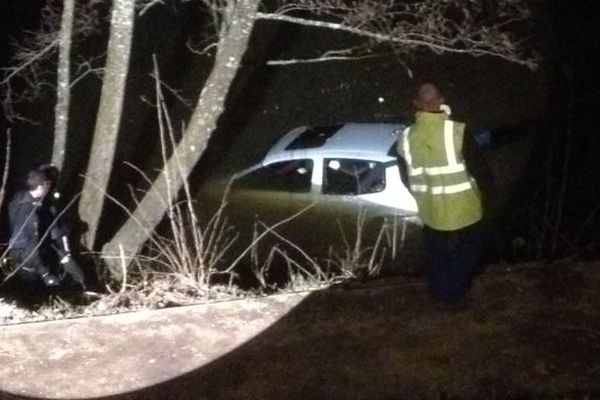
point(418, 188)
point(432, 171)
point(416, 171)
point(449, 142)
point(461, 187)
point(405, 148)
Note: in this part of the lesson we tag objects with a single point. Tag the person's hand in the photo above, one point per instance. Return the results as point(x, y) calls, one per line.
point(49, 279)
point(445, 108)
point(65, 258)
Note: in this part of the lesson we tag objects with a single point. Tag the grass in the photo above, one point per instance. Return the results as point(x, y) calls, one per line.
point(356, 259)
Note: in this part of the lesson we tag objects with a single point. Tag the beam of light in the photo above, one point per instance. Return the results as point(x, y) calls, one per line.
point(102, 356)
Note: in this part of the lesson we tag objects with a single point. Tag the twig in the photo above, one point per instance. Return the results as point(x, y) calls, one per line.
point(6, 165)
point(149, 5)
point(123, 269)
point(315, 265)
point(30, 61)
point(292, 61)
point(259, 237)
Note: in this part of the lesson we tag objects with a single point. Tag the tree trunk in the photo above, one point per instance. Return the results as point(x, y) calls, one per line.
point(232, 44)
point(109, 117)
point(61, 111)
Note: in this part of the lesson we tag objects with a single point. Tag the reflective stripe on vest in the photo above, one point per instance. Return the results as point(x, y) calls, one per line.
point(448, 169)
point(461, 187)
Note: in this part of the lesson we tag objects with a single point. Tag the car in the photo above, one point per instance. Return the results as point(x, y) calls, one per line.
point(326, 189)
point(348, 164)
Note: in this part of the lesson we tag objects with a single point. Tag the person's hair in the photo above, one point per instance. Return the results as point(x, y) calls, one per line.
point(429, 97)
point(36, 178)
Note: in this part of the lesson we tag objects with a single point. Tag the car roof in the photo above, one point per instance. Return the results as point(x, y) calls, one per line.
point(351, 140)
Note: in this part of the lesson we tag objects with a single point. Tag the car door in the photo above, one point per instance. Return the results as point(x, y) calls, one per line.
point(263, 197)
point(355, 189)
point(266, 190)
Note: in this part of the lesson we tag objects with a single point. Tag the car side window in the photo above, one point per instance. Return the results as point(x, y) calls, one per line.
point(285, 176)
point(350, 177)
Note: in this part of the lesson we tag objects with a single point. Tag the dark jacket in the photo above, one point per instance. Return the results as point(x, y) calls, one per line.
point(31, 221)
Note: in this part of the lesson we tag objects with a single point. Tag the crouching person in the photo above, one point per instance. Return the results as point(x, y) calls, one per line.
point(39, 242)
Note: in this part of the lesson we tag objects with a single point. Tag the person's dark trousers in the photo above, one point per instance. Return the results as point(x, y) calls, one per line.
point(26, 284)
point(34, 265)
point(450, 259)
point(31, 260)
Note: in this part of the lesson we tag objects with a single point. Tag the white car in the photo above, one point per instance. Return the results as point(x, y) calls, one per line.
point(348, 164)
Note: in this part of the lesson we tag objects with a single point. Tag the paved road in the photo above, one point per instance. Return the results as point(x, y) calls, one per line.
point(534, 332)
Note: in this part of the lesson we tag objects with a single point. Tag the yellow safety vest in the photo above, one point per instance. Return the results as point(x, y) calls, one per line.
point(446, 194)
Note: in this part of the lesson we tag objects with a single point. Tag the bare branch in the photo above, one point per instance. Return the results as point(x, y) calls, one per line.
point(6, 166)
point(87, 70)
point(203, 50)
point(145, 6)
point(475, 28)
point(410, 40)
point(186, 102)
point(323, 58)
point(20, 68)
point(33, 55)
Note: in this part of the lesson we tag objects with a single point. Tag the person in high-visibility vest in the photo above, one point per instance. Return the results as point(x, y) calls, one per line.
point(447, 195)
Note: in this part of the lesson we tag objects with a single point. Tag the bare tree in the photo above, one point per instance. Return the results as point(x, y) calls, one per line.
point(108, 120)
point(63, 84)
point(236, 21)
